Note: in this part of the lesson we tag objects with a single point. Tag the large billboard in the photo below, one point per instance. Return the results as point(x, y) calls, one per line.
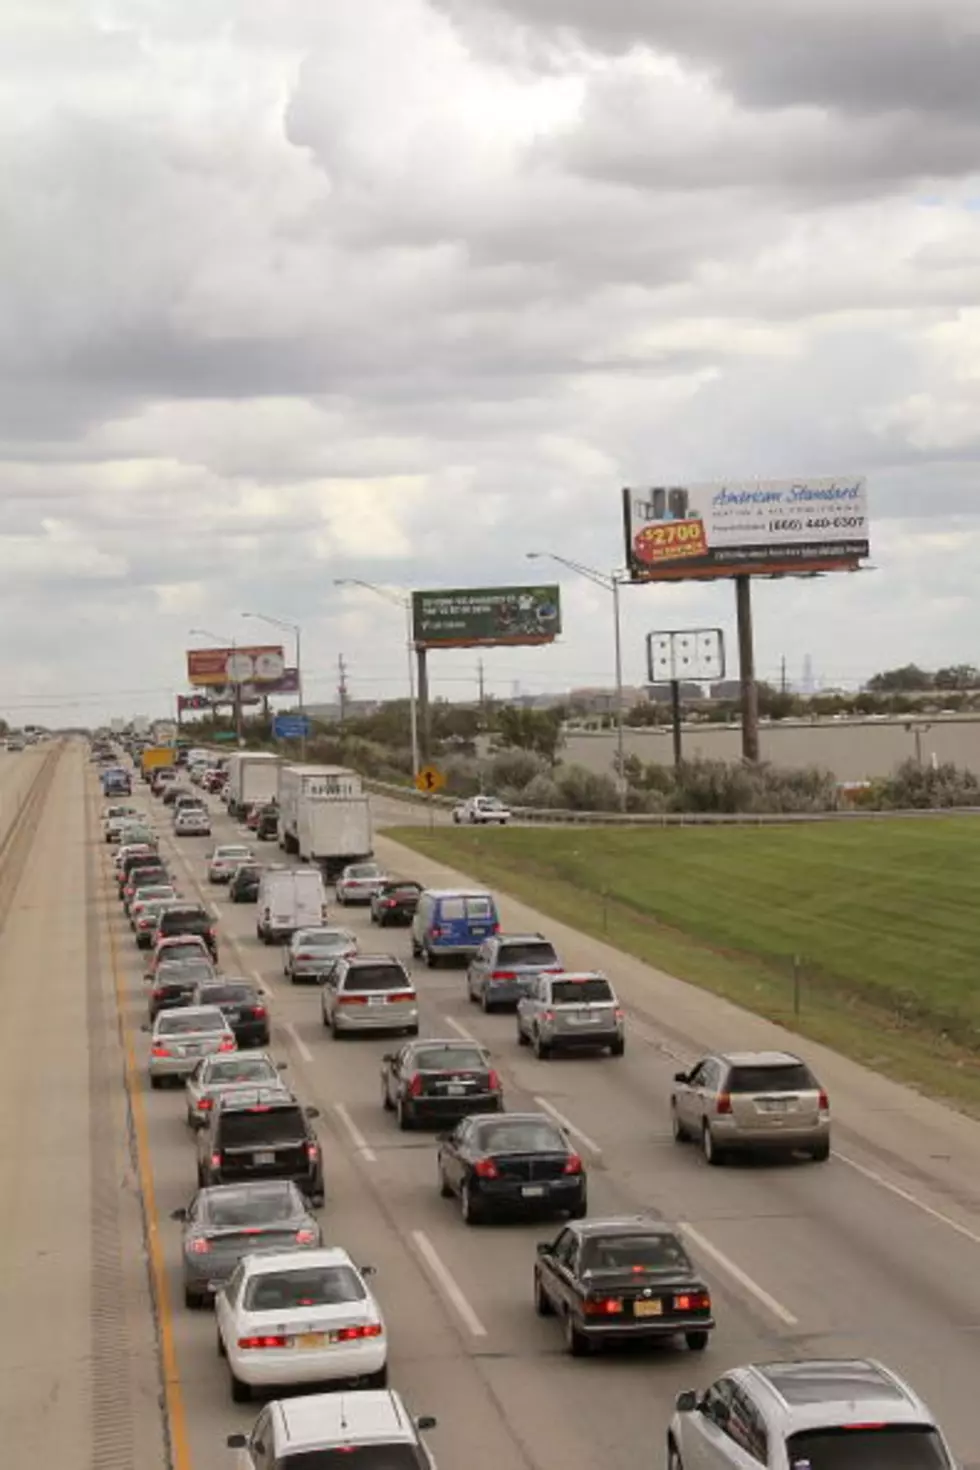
point(745, 527)
point(486, 617)
point(210, 667)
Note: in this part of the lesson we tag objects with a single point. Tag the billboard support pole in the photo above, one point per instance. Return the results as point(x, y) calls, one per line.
point(675, 715)
point(423, 703)
point(746, 669)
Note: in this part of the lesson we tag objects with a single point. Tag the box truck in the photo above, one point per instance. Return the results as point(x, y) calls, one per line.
point(253, 779)
point(324, 816)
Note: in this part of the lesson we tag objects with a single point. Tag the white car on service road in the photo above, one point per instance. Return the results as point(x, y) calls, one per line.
point(300, 1317)
point(359, 881)
point(481, 811)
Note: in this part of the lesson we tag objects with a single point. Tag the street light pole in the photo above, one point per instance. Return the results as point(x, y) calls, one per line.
point(297, 633)
point(403, 601)
point(609, 582)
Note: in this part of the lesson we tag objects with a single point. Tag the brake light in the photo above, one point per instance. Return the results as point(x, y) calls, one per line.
point(260, 1108)
point(619, 1013)
point(724, 1104)
point(160, 1051)
point(605, 1306)
point(216, 1161)
point(158, 992)
point(352, 1000)
point(503, 975)
point(824, 1102)
point(351, 1334)
point(304, 956)
point(227, 1043)
point(436, 933)
point(391, 903)
point(496, 928)
point(415, 1086)
point(205, 1104)
point(312, 1152)
point(485, 1169)
point(402, 995)
point(493, 1082)
point(306, 1237)
point(547, 1015)
point(692, 1301)
point(198, 1246)
point(258, 1012)
point(262, 1342)
point(573, 1164)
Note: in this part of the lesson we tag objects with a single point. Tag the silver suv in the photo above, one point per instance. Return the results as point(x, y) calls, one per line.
point(827, 1414)
point(504, 967)
point(571, 1011)
point(299, 1431)
point(740, 1101)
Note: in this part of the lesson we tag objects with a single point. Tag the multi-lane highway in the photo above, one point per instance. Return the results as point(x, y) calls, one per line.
point(876, 1252)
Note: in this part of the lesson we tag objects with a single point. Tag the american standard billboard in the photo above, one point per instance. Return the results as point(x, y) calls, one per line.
point(745, 527)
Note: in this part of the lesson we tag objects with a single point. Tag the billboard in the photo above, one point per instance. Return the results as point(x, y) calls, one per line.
point(208, 667)
point(745, 527)
point(486, 617)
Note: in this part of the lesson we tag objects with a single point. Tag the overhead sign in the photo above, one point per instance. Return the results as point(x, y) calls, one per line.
point(745, 527)
point(210, 667)
point(290, 727)
point(429, 779)
point(486, 617)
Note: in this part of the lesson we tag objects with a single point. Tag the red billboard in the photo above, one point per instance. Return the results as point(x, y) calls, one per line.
point(216, 667)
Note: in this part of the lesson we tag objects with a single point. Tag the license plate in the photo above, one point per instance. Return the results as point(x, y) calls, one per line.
point(774, 1104)
point(377, 1000)
point(481, 931)
point(311, 1339)
point(648, 1309)
point(532, 1191)
point(455, 1091)
point(264, 1158)
point(582, 1020)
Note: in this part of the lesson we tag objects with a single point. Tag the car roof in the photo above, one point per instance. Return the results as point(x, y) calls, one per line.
point(578, 975)
point(248, 1186)
point(509, 1117)
point(832, 1392)
point(759, 1058)
point(240, 1056)
point(327, 1255)
point(624, 1225)
point(230, 980)
point(374, 959)
point(317, 1421)
point(516, 938)
point(458, 892)
point(432, 1043)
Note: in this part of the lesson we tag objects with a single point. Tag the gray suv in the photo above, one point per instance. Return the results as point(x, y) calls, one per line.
point(751, 1100)
point(826, 1414)
point(571, 1011)
point(501, 971)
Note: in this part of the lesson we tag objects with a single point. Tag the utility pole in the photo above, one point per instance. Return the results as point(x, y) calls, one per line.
point(481, 684)
point(342, 688)
point(782, 676)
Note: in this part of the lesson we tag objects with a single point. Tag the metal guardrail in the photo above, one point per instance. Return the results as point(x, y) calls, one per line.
point(548, 818)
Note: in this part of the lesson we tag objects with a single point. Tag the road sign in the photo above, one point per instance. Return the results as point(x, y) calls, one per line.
point(290, 727)
point(224, 735)
point(429, 779)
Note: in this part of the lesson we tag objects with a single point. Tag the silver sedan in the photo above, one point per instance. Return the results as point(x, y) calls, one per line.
point(228, 1221)
point(310, 952)
point(217, 1076)
point(180, 1038)
point(359, 881)
point(224, 860)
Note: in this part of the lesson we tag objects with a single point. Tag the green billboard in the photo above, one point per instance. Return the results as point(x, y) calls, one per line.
point(486, 617)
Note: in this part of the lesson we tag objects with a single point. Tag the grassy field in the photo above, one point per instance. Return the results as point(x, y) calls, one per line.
point(885, 918)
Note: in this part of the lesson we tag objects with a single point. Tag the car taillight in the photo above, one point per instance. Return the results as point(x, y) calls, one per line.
point(312, 1152)
point(306, 1237)
point(436, 933)
point(198, 1246)
point(485, 1169)
point(724, 1103)
point(496, 928)
point(694, 1301)
point(262, 1342)
point(216, 1161)
point(352, 1000)
point(258, 1012)
point(304, 956)
point(573, 1164)
point(415, 1086)
point(824, 1102)
point(547, 1015)
point(493, 1082)
point(603, 1306)
point(205, 1104)
point(351, 1334)
point(227, 1043)
point(503, 975)
point(158, 992)
point(402, 995)
point(160, 1051)
point(619, 1013)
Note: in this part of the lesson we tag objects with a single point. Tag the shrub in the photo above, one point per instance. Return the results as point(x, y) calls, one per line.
point(917, 787)
point(543, 792)
point(513, 770)
point(585, 791)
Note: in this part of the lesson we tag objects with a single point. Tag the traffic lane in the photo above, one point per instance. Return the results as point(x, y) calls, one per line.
point(18, 770)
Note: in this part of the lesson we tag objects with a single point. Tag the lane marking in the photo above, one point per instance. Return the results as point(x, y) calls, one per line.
point(357, 1137)
point(300, 1044)
point(262, 985)
point(908, 1197)
point(461, 1031)
point(447, 1283)
point(569, 1126)
point(737, 1274)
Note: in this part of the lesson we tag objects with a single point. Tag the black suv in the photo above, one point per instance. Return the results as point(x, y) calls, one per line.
point(261, 1133)
point(190, 920)
point(244, 885)
point(267, 826)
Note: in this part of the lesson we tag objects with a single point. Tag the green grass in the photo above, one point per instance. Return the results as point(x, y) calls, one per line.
point(885, 917)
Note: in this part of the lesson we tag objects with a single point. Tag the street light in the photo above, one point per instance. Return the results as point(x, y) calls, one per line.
point(405, 602)
point(231, 643)
point(297, 633)
point(609, 582)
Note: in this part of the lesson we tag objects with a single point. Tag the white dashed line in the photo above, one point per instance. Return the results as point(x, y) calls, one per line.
point(300, 1044)
point(461, 1031)
point(447, 1284)
point(737, 1274)
point(908, 1197)
point(569, 1126)
point(357, 1137)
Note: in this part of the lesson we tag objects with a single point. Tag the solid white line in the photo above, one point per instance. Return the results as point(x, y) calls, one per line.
point(568, 1125)
point(301, 1045)
point(357, 1137)
point(908, 1197)
point(447, 1283)
point(461, 1031)
point(737, 1274)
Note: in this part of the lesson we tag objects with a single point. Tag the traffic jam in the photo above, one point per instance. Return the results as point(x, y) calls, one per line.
point(234, 898)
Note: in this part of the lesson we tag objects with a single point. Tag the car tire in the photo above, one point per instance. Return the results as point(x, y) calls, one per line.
point(674, 1461)
point(713, 1155)
point(444, 1190)
point(241, 1393)
point(416, 950)
point(378, 1379)
point(541, 1048)
point(485, 1005)
point(324, 1017)
point(576, 1343)
point(431, 960)
point(580, 1210)
point(522, 1037)
point(468, 1207)
point(618, 1048)
point(542, 1301)
point(405, 1120)
point(697, 1340)
point(335, 1031)
point(386, 1101)
point(820, 1153)
point(220, 1346)
point(677, 1128)
point(318, 1199)
point(156, 1083)
point(193, 1300)
point(412, 1030)
point(471, 994)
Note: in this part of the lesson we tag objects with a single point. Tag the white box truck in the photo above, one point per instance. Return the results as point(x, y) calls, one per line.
point(253, 779)
point(324, 816)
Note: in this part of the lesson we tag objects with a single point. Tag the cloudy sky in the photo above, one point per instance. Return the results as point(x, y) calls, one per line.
point(295, 290)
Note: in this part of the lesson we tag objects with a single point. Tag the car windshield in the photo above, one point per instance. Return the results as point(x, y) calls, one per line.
point(259, 1204)
point(314, 1286)
point(360, 1457)
point(794, 1077)
point(867, 1447)
point(263, 1124)
point(449, 1059)
point(215, 995)
point(241, 1069)
point(181, 1022)
point(581, 992)
point(526, 952)
point(519, 1137)
point(364, 870)
point(639, 1253)
point(377, 977)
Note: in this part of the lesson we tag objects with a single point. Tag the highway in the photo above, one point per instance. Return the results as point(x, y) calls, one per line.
point(876, 1252)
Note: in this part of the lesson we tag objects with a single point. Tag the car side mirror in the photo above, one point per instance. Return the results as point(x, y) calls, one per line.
point(282, 1066)
point(368, 1270)
point(389, 1056)
point(443, 1137)
point(686, 1402)
point(180, 1214)
point(312, 1112)
point(237, 1441)
point(426, 1421)
point(144, 1028)
point(680, 1076)
point(545, 1248)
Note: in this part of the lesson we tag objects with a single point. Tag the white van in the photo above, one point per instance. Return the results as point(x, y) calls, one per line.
point(289, 899)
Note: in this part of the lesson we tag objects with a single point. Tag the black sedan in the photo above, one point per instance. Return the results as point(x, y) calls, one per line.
point(228, 1221)
point(515, 1163)
point(619, 1280)
point(174, 984)
point(395, 902)
point(439, 1081)
point(244, 885)
point(243, 1006)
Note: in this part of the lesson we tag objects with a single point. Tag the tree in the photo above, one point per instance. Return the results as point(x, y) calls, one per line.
point(958, 676)
point(909, 679)
point(536, 730)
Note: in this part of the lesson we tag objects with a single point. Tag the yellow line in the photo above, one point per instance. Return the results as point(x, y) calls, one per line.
point(172, 1386)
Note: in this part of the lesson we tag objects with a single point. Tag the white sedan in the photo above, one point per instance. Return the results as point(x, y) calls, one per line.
point(358, 881)
point(192, 821)
point(224, 860)
point(481, 810)
point(300, 1317)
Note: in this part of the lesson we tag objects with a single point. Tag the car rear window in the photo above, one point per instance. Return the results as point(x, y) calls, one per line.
point(263, 1124)
point(176, 920)
point(793, 1078)
point(581, 992)
point(892, 1447)
point(520, 1137)
point(252, 1206)
point(450, 1058)
point(402, 890)
point(635, 1253)
point(466, 908)
point(364, 870)
point(360, 1457)
point(316, 1286)
point(180, 1023)
point(182, 976)
point(526, 952)
point(242, 1069)
point(377, 977)
point(216, 995)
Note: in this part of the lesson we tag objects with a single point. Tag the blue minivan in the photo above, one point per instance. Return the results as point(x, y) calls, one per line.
point(452, 923)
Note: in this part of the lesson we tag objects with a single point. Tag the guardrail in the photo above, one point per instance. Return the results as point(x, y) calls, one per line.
point(548, 818)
